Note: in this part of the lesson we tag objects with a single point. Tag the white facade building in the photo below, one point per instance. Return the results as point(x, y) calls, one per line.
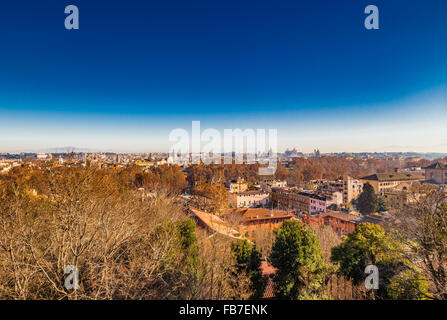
point(249, 199)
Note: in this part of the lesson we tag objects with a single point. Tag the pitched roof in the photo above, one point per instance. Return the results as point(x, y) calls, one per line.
point(215, 223)
point(395, 176)
point(297, 192)
point(372, 218)
point(341, 215)
point(436, 165)
point(267, 270)
point(252, 193)
point(250, 214)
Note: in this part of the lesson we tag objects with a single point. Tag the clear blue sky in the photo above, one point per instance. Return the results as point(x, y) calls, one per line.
point(138, 69)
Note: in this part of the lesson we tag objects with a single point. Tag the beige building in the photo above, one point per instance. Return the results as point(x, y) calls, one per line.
point(334, 198)
point(400, 196)
point(436, 173)
point(236, 186)
point(267, 185)
point(349, 188)
point(352, 188)
point(396, 199)
point(384, 181)
point(249, 199)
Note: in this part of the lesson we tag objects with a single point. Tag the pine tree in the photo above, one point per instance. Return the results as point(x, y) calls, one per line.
point(301, 270)
point(367, 201)
point(371, 245)
point(249, 261)
point(381, 205)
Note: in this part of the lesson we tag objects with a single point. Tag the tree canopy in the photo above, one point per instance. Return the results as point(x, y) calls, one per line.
point(370, 245)
point(367, 202)
point(249, 261)
point(301, 270)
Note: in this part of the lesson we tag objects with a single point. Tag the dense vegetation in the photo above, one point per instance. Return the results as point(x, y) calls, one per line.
point(125, 246)
point(300, 169)
point(129, 235)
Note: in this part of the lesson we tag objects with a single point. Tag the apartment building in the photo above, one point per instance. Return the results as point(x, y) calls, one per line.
point(385, 181)
point(299, 200)
point(237, 186)
point(249, 199)
point(342, 223)
point(268, 184)
point(436, 173)
point(333, 198)
point(349, 187)
point(248, 221)
point(352, 188)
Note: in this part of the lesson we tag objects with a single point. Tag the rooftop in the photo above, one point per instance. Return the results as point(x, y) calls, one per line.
point(215, 223)
point(250, 214)
point(394, 176)
point(341, 215)
point(374, 218)
point(436, 165)
point(302, 193)
point(251, 193)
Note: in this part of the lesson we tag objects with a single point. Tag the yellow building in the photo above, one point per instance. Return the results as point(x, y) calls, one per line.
point(237, 186)
point(144, 163)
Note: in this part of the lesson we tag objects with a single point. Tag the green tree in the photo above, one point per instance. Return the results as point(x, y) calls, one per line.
point(192, 270)
point(188, 239)
point(301, 270)
point(409, 285)
point(370, 245)
point(367, 201)
point(381, 205)
point(249, 261)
